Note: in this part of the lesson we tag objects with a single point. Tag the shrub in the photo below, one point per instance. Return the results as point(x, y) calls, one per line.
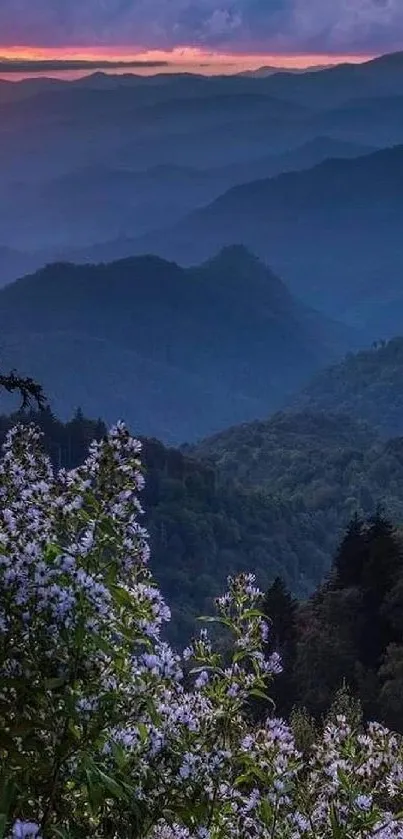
point(105, 730)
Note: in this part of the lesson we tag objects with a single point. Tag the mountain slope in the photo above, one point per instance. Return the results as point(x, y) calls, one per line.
point(178, 353)
point(318, 469)
point(101, 203)
point(14, 264)
point(367, 385)
point(310, 154)
point(330, 87)
point(333, 231)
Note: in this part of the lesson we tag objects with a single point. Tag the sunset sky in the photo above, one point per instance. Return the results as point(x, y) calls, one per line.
point(214, 34)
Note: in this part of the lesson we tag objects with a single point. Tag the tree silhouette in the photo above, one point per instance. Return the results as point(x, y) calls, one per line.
point(30, 391)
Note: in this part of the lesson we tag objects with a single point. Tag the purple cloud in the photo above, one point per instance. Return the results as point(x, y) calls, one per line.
point(260, 25)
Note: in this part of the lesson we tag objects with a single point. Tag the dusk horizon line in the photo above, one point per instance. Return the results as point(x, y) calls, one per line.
point(20, 61)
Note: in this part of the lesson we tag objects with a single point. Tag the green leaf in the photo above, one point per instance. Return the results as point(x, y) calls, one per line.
point(53, 684)
point(103, 645)
point(240, 655)
point(75, 731)
point(96, 793)
point(252, 613)
point(51, 553)
point(122, 597)
point(243, 779)
point(266, 811)
point(110, 784)
point(336, 829)
point(142, 729)
point(209, 668)
point(259, 694)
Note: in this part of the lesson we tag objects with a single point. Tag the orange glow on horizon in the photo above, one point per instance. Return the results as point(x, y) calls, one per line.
point(185, 59)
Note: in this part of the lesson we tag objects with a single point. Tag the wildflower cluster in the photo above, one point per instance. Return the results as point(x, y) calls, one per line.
point(105, 731)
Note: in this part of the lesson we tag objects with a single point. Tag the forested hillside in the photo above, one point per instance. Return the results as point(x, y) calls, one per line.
point(367, 385)
point(319, 464)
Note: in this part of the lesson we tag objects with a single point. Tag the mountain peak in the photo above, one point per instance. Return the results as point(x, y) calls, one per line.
point(235, 256)
point(238, 266)
point(240, 273)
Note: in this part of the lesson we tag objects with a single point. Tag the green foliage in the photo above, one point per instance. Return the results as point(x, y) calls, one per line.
point(346, 705)
point(275, 496)
point(304, 729)
point(318, 470)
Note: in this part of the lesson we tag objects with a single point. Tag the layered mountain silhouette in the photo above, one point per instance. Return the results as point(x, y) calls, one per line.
point(112, 158)
point(102, 203)
point(178, 353)
point(333, 231)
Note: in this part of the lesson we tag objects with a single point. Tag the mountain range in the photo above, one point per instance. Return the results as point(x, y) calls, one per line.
point(176, 352)
point(334, 232)
point(100, 202)
point(118, 157)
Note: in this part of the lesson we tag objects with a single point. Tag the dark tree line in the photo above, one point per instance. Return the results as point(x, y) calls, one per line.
point(349, 633)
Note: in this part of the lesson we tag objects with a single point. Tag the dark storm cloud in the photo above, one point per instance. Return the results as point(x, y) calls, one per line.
point(43, 65)
point(282, 25)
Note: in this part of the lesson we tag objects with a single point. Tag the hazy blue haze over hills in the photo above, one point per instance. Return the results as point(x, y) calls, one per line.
point(234, 129)
point(333, 231)
point(288, 165)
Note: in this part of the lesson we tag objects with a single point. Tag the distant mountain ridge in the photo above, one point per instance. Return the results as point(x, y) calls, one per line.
point(208, 133)
point(99, 203)
point(177, 352)
point(271, 70)
point(331, 230)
